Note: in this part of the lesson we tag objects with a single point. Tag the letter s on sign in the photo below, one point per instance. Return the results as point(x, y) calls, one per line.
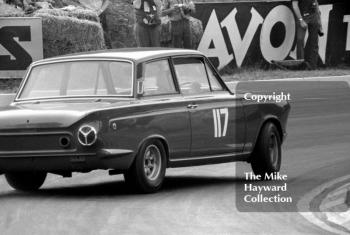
point(23, 59)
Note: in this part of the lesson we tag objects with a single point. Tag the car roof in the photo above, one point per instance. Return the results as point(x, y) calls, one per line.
point(135, 54)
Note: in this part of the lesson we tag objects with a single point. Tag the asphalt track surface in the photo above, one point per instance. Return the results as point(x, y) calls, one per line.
point(197, 200)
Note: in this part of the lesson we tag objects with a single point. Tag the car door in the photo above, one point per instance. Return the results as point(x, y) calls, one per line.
point(166, 108)
point(217, 121)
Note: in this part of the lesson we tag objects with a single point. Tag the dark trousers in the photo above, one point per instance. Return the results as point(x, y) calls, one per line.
point(147, 36)
point(181, 34)
point(103, 20)
point(310, 52)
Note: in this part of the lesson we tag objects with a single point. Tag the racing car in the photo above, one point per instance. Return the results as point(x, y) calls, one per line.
point(134, 112)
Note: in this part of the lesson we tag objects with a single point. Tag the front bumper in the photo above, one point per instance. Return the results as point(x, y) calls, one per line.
point(66, 161)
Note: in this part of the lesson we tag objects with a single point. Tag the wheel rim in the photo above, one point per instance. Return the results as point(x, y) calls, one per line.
point(273, 150)
point(152, 162)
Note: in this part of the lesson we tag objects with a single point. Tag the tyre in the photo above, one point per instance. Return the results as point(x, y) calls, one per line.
point(147, 172)
point(26, 181)
point(266, 157)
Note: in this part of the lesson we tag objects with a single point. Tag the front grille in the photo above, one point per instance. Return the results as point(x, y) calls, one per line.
point(33, 142)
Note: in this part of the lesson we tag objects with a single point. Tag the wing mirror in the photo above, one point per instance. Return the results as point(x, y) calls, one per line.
point(140, 88)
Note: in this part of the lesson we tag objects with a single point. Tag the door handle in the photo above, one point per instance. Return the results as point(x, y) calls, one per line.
point(192, 106)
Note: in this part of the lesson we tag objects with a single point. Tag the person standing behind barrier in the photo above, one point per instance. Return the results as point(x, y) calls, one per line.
point(101, 12)
point(147, 26)
point(178, 12)
point(308, 15)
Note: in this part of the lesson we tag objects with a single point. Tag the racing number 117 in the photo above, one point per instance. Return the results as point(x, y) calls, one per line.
point(219, 129)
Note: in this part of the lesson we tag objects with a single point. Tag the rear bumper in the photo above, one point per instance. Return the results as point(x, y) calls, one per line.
point(120, 159)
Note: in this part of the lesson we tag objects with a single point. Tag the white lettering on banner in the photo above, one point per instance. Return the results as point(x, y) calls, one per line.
point(268, 51)
point(213, 42)
point(241, 44)
point(213, 35)
point(322, 43)
point(347, 20)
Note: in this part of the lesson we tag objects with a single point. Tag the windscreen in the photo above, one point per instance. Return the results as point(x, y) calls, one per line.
point(79, 78)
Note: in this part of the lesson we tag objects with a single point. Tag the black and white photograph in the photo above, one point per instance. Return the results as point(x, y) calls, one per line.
point(174, 117)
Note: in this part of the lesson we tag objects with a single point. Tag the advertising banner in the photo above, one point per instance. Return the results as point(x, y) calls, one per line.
point(21, 43)
point(246, 33)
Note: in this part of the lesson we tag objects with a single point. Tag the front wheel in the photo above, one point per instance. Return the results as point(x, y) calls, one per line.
point(26, 181)
point(266, 157)
point(148, 170)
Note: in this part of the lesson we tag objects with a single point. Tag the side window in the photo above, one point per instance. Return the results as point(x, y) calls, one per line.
point(158, 79)
point(214, 83)
point(191, 75)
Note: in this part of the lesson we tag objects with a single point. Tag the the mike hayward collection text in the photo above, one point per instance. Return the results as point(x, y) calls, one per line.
point(258, 193)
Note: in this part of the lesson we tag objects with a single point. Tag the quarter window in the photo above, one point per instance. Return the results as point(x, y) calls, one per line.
point(158, 79)
point(214, 83)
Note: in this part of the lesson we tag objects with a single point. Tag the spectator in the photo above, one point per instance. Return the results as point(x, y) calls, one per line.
point(178, 12)
point(103, 18)
point(104, 5)
point(308, 15)
point(147, 26)
point(27, 5)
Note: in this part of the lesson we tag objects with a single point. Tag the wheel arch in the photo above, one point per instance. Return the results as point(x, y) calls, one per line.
point(162, 139)
point(277, 123)
point(273, 120)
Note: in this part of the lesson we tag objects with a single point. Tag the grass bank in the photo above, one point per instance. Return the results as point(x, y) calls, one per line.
point(247, 74)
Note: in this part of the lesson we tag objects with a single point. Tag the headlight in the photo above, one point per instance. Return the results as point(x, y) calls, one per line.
point(87, 135)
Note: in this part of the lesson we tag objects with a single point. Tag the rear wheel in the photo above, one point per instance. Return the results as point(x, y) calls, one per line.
point(26, 181)
point(266, 157)
point(148, 170)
